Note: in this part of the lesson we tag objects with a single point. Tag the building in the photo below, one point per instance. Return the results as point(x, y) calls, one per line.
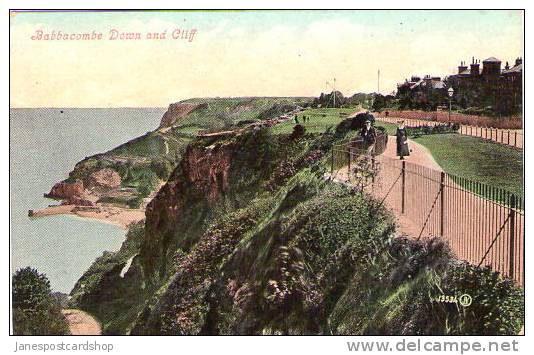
point(480, 87)
point(490, 88)
point(421, 93)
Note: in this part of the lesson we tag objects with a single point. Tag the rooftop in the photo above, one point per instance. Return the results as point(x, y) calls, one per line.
point(515, 69)
point(491, 60)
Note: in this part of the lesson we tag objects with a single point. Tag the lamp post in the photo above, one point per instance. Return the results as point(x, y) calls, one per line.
point(450, 92)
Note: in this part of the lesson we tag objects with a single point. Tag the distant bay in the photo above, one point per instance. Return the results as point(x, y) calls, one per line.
point(45, 144)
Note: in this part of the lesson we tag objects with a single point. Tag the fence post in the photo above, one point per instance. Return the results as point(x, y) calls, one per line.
point(515, 139)
point(512, 235)
point(403, 190)
point(442, 203)
point(508, 137)
point(348, 171)
point(332, 164)
point(373, 169)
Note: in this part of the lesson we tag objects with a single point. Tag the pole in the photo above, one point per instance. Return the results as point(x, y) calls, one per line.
point(334, 92)
point(373, 169)
point(512, 235)
point(348, 171)
point(379, 81)
point(442, 203)
point(403, 185)
point(332, 164)
point(450, 104)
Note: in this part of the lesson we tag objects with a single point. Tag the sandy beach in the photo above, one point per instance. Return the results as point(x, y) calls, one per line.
point(118, 216)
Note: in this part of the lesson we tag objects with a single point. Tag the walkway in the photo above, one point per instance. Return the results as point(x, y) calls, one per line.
point(81, 323)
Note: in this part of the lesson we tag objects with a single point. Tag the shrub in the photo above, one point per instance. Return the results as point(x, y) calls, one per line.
point(298, 131)
point(35, 310)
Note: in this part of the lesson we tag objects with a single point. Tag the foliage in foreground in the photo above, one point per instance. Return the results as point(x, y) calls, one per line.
point(291, 253)
point(317, 259)
point(35, 310)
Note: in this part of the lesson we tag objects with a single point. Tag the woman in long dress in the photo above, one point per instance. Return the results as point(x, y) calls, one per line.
point(402, 141)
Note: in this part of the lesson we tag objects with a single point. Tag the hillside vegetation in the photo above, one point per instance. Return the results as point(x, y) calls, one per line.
point(35, 309)
point(248, 237)
point(146, 161)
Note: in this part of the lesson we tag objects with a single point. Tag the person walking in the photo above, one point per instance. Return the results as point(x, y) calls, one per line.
point(402, 141)
point(368, 134)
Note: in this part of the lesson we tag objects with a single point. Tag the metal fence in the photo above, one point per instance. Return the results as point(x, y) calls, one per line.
point(483, 225)
point(504, 122)
point(511, 137)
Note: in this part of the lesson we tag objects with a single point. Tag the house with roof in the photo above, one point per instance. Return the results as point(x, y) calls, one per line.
point(427, 92)
point(489, 87)
point(483, 86)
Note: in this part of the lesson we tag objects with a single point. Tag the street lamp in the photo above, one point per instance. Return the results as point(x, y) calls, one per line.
point(450, 92)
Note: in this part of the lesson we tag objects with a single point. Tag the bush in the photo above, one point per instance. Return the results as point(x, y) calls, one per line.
point(298, 131)
point(417, 131)
point(35, 310)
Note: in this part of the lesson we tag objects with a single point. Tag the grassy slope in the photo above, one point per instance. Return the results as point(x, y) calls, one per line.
point(304, 256)
point(473, 158)
point(320, 120)
point(223, 112)
point(313, 257)
point(152, 156)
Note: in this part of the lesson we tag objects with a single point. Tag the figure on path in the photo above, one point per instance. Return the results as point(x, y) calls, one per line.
point(368, 134)
point(402, 141)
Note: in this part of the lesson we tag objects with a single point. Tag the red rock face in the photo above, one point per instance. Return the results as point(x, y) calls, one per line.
point(175, 112)
point(208, 171)
point(104, 178)
point(70, 193)
point(201, 176)
point(203, 172)
point(65, 190)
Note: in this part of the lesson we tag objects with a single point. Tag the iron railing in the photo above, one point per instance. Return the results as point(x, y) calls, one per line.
point(482, 224)
point(510, 137)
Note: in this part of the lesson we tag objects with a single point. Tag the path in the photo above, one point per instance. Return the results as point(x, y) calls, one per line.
point(470, 223)
point(510, 137)
point(81, 323)
point(418, 154)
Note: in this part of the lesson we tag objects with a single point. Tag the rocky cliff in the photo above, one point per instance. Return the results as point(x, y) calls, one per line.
point(177, 111)
point(66, 190)
point(201, 180)
point(247, 237)
point(86, 193)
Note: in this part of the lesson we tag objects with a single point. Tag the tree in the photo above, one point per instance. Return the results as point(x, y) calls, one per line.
point(35, 310)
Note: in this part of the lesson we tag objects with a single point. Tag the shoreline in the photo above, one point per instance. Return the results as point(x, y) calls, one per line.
point(120, 217)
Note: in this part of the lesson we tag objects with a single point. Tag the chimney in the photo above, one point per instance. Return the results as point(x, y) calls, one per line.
point(507, 66)
point(462, 67)
point(519, 61)
point(475, 68)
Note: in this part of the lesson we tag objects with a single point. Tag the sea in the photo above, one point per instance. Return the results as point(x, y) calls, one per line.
point(45, 144)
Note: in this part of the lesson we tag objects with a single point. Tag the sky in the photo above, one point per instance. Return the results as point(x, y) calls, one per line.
point(244, 53)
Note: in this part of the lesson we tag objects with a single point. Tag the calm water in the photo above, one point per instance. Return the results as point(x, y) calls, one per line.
point(45, 146)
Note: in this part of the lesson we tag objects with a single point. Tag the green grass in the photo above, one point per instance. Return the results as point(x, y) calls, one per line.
point(476, 159)
point(390, 127)
point(320, 120)
point(223, 112)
